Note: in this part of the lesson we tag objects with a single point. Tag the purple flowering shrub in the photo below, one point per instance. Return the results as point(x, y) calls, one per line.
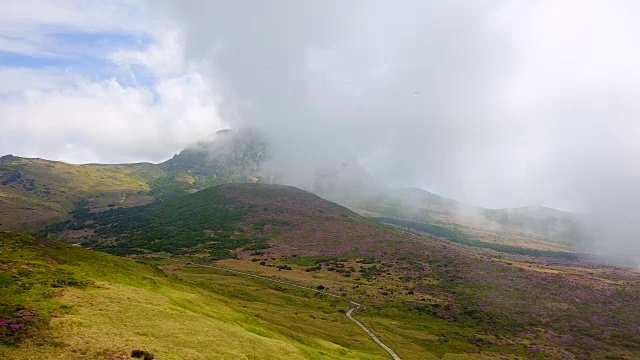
point(30, 281)
point(17, 323)
point(581, 308)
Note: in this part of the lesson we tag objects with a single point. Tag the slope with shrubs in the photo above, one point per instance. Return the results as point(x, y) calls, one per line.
point(35, 192)
point(425, 294)
point(217, 222)
point(59, 301)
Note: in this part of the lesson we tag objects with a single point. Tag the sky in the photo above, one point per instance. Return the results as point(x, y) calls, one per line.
point(492, 102)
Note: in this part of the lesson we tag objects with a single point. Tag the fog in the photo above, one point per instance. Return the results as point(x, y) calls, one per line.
point(494, 103)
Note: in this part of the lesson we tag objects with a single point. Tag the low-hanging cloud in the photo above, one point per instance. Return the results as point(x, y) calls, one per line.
point(494, 103)
point(409, 90)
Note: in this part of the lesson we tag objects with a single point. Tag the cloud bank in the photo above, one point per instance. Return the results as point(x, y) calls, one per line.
point(97, 82)
point(495, 103)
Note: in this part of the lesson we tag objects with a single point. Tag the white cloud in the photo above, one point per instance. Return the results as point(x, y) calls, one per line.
point(113, 123)
point(164, 57)
point(18, 80)
point(61, 114)
point(18, 17)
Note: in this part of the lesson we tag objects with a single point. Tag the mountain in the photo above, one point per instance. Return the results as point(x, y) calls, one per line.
point(36, 192)
point(534, 226)
point(426, 295)
point(222, 220)
point(274, 277)
point(227, 157)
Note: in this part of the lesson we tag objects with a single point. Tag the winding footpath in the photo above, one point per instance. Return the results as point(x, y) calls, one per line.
point(355, 304)
point(371, 334)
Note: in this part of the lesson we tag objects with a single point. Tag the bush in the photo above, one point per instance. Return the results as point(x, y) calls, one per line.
point(141, 354)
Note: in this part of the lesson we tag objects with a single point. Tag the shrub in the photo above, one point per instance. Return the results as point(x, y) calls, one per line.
point(141, 354)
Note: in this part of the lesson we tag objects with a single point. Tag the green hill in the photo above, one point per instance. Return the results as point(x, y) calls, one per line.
point(426, 296)
point(35, 192)
point(64, 302)
point(219, 221)
point(535, 227)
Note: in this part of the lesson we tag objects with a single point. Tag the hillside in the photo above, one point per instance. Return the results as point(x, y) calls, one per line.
point(227, 157)
point(64, 302)
point(533, 227)
point(222, 220)
point(427, 295)
point(35, 192)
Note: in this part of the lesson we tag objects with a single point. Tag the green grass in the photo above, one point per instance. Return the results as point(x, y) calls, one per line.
point(94, 305)
point(46, 191)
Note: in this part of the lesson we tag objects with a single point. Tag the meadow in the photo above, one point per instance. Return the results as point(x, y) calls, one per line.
point(100, 306)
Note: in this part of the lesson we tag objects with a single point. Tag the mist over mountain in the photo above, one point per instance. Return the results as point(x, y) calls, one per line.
point(495, 104)
point(246, 155)
point(296, 179)
point(238, 154)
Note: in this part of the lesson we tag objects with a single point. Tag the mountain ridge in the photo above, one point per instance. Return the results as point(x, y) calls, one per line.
point(50, 191)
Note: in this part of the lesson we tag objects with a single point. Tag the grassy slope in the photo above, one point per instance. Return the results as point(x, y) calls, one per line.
point(215, 222)
point(458, 236)
point(47, 190)
point(534, 227)
point(106, 306)
point(447, 301)
point(426, 295)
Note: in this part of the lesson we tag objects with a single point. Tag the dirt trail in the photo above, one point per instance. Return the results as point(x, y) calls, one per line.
point(349, 313)
point(372, 335)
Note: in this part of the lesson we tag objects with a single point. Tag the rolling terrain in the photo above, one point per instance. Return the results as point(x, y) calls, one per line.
point(36, 192)
point(64, 302)
point(534, 227)
point(437, 279)
point(425, 293)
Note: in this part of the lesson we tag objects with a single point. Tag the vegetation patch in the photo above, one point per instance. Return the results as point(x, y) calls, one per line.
point(461, 238)
point(29, 287)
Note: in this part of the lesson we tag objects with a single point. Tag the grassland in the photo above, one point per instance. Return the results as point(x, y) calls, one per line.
point(102, 307)
point(454, 234)
point(36, 192)
point(438, 294)
point(455, 300)
point(530, 227)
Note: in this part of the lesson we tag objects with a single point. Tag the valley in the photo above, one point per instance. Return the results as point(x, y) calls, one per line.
point(319, 180)
point(185, 260)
